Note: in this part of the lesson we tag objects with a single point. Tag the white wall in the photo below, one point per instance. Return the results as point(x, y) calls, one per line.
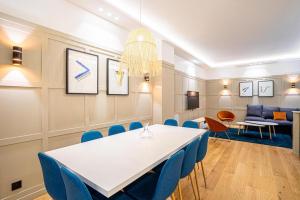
point(65, 17)
point(263, 70)
point(189, 68)
point(167, 52)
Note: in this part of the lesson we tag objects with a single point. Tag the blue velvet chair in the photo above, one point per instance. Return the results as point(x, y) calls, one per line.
point(188, 165)
point(116, 129)
point(91, 135)
point(155, 186)
point(171, 122)
point(135, 125)
point(190, 124)
point(52, 177)
point(77, 190)
point(202, 150)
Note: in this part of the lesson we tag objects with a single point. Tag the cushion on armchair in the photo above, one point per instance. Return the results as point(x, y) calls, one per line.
point(268, 111)
point(254, 110)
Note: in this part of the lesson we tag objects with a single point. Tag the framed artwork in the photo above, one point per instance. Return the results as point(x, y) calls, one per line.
point(246, 89)
point(117, 79)
point(81, 73)
point(266, 88)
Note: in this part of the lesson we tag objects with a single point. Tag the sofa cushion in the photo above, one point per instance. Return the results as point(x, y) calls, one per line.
point(254, 110)
point(268, 111)
point(289, 113)
point(253, 118)
point(281, 122)
point(279, 116)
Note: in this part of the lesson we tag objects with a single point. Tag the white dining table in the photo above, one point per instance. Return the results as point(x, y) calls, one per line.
point(111, 163)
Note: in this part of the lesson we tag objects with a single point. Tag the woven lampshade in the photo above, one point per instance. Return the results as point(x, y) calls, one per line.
point(140, 54)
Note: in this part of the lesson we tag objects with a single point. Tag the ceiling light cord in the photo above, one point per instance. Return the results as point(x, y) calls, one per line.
point(140, 12)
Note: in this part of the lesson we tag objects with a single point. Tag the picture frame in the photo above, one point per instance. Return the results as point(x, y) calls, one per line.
point(266, 88)
point(246, 89)
point(81, 72)
point(117, 82)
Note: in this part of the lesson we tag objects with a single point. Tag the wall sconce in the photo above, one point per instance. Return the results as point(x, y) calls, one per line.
point(293, 85)
point(147, 77)
point(17, 55)
point(225, 84)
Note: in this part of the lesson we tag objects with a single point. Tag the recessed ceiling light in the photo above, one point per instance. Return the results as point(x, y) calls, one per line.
point(116, 18)
point(196, 61)
point(101, 9)
point(109, 14)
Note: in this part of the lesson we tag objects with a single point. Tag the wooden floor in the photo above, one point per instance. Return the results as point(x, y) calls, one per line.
point(240, 170)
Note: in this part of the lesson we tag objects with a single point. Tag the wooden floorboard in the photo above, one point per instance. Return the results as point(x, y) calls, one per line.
point(242, 171)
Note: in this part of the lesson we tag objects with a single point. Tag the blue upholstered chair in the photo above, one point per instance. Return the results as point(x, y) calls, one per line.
point(171, 122)
point(52, 177)
point(135, 125)
point(77, 190)
point(202, 150)
point(188, 165)
point(115, 129)
point(91, 135)
point(155, 186)
point(190, 124)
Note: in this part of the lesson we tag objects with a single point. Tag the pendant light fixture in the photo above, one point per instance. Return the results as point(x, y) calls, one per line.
point(140, 52)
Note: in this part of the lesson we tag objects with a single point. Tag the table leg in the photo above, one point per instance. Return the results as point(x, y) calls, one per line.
point(246, 129)
point(270, 132)
point(239, 130)
point(260, 132)
point(274, 131)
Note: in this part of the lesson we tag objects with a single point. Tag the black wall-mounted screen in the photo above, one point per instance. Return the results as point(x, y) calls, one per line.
point(193, 99)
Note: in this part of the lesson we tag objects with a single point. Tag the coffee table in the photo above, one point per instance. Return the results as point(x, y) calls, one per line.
point(271, 126)
point(246, 124)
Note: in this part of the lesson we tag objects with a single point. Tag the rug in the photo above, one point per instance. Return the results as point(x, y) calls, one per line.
point(280, 140)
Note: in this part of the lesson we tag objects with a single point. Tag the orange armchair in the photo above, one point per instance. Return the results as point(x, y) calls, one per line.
point(226, 116)
point(215, 126)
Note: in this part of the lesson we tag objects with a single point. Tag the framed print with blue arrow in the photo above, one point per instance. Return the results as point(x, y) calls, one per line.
point(117, 78)
point(81, 73)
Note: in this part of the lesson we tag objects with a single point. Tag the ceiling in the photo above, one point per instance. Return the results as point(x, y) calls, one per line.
point(219, 33)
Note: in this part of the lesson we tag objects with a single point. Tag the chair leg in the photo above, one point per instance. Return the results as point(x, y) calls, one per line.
point(194, 192)
point(260, 132)
point(173, 196)
point(227, 135)
point(197, 184)
point(274, 130)
point(179, 189)
point(203, 174)
point(215, 134)
point(198, 165)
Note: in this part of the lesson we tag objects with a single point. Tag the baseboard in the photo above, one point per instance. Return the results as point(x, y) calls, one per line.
point(27, 194)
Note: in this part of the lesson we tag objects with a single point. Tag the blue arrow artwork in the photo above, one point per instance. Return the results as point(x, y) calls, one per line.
point(84, 73)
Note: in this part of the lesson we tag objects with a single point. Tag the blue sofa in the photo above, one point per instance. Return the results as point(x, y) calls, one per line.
point(265, 113)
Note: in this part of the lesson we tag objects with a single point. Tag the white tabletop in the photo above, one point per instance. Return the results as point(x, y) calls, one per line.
point(263, 123)
point(250, 124)
point(111, 163)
